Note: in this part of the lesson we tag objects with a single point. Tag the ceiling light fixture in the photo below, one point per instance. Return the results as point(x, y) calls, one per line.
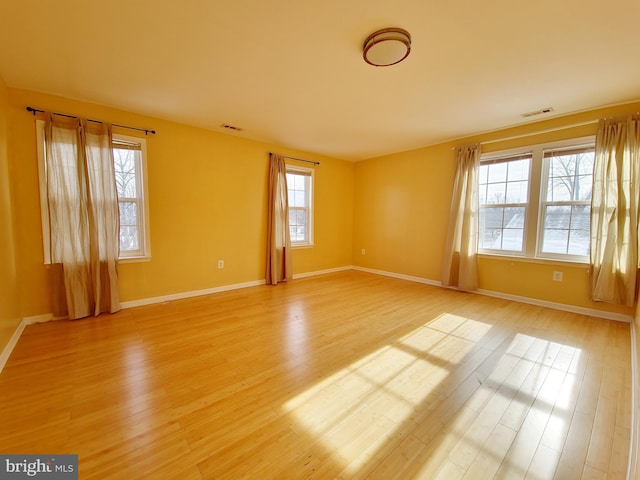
point(386, 47)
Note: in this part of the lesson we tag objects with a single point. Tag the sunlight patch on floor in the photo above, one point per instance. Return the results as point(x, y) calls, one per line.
point(357, 410)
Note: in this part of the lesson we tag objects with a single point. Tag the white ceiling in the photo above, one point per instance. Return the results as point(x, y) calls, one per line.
point(290, 72)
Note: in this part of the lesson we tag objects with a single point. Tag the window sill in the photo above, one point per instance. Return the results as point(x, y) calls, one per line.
point(134, 259)
point(302, 245)
point(540, 261)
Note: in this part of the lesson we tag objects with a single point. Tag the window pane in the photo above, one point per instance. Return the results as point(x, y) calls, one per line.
point(514, 217)
point(491, 217)
point(497, 172)
point(298, 224)
point(584, 185)
point(579, 242)
point(128, 238)
point(557, 217)
point(518, 170)
point(560, 189)
point(502, 228)
point(129, 228)
point(585, 163)
point(512, 239)
point(517, 192)
point(581, 218)
point(124, 163)
point(496, 193)
point(297, 198)
point(491, 238)
point(555, 241)
point(128, 213)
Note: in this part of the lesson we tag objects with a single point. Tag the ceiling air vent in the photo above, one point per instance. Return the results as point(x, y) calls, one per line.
point(542, 111)
point(231, 127)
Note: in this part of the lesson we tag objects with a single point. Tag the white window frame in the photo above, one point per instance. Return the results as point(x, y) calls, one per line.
point(309, 173)
point(141, 254)
point(144, 250)
point(537, 181)
point(544, 185)
point(497, 159)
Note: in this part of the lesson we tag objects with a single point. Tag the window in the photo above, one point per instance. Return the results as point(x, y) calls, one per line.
point(566, 202)
point(503, 197)
point(129, 164)
point(535, 201)
point(300, 193)
point(128, 160)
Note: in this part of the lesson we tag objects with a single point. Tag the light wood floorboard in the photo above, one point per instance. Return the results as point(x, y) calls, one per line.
point(347, 375)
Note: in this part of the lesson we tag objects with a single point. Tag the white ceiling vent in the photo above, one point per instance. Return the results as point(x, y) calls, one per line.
point(231, 127)
point(542, 111)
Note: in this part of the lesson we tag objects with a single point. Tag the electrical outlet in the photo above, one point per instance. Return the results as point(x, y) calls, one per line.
point(220, 263)
point(557, 276)
point(364, 252)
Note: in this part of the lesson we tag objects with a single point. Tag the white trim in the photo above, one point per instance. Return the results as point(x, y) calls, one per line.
point(400, 276)
point(190, 294)
point(8, 348)
point(46, 317)
point(322, 272)
point(592, 312)
point(632, 467)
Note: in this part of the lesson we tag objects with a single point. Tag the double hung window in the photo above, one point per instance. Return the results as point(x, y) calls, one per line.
point(129, 161)
point(535, 201)
point(300, 194)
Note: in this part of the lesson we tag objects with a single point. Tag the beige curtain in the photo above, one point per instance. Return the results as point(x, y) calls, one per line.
point(83, 215)
point(279, 266)
point(614, 211)
point(460, 267)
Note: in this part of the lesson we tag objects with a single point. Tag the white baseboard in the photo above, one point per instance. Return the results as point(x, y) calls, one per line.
point(400, 276)
point(193, 293)
point(592, 312)
point(322, 272)
point(47, 317)
point(8, 348)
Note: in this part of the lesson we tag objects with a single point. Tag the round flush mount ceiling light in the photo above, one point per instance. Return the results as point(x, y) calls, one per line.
point(386, 47)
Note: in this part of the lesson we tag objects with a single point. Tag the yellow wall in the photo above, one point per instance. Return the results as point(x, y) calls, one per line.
point(207, 196)
point(9, 311)
point(402, 208)
point(207, 201)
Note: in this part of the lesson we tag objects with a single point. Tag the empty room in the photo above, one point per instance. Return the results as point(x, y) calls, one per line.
point(270, 240)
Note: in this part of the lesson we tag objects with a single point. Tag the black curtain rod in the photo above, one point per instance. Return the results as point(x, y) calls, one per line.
point(298, 159)
point(145, 130)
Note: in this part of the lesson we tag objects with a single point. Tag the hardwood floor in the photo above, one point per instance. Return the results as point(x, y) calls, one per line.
point(348, 375)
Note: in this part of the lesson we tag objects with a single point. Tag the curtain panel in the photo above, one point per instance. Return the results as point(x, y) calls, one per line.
point(614, 211)
point(279, 263)
point(83, 216)
point(460, 267)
